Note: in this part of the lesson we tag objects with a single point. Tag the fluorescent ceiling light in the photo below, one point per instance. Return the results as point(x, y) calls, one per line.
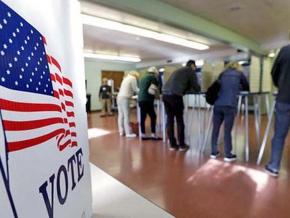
point(112, 25)
point(112, 57)
point(271, 55)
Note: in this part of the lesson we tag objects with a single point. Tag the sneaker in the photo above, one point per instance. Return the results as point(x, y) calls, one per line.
point(230, 158)
point(154, 136)
point(173, 148)
point(183, 148)
point(215, 155)
point(144, 136)
point(131, 135)
point(271, 172)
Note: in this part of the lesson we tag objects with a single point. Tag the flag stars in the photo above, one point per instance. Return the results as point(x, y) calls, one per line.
point(37, 44)
point(10, 41)
point(10, 65)
point(14, 34)
point(22, 48)
point(8, 72)
point(18, 52)
point(36, 69)
point(3, 79)
point(28, 38)
point(5, 46)
point(39, 83)
point(31, 31)
point(4, 21)
point(25, 42)
point(32, 54)
point(41, 77)
point(30, 80)
point(21, 24)
point(17, 30)
point(20, 76)
point(8, 14)
point(26, 64)
point(45, 90)
point(38, 63)
point(27, 86)
point(16, 83)
point(2, 53)
point(1, 27)
point(32, 73)
point(36, 88)
point(35, 48)
point(22, 69)
point(15, 59)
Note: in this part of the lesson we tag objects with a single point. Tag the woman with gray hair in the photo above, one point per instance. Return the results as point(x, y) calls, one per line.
point(128, 89)
point(232, 81)
point(149, 86)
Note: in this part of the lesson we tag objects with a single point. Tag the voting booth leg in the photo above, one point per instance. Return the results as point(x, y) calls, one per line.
point(266, 135)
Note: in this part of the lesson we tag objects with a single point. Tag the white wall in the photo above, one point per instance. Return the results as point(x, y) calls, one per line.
point(93, 69)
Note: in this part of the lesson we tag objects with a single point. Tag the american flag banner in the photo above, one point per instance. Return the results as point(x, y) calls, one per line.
point(36, 99)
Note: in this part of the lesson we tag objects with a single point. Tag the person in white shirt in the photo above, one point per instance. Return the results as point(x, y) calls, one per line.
point(128, 89)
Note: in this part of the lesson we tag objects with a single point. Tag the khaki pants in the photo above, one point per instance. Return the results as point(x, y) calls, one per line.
point(107, 105)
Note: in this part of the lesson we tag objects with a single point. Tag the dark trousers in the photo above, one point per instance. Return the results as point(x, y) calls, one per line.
point(174, 109)
point(223, 114)
point(282, 124)
point(147, 107)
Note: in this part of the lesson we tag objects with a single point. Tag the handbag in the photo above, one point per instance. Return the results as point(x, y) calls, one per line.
point(212, 92)
point(153, 89)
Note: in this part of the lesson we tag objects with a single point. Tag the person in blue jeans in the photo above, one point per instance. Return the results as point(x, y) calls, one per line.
point(281, 79)
point(232, 81)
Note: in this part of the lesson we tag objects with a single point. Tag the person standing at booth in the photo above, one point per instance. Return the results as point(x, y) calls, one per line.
point(148, 89)
point(127, 90)
point(281, 79)
point(105, 95)
point(181, 81)
point(232, 81)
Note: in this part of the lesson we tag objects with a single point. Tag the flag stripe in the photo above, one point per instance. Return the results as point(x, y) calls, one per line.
point(19, 145)
point(27, 107)
point(67, 81)
point(33, 124)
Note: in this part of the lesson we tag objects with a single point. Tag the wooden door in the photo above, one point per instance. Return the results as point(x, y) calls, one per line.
point(117, 76)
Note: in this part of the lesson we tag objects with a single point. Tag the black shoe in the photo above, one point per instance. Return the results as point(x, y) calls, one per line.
point(215, 155)
point(184, 148)
point(271, 172)
point(230, 158)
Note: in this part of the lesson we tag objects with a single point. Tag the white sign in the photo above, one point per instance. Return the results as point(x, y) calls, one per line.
point(44, 166)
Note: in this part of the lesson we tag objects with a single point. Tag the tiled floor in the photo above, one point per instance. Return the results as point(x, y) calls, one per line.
point(190, 184)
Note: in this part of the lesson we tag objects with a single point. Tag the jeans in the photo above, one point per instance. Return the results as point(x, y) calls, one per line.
point(123, 115)
point(223, 114)
point(174, 109)
point(282, 124)
point(147, 107)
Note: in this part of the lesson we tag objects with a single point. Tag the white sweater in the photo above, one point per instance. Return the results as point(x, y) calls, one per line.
point(128, 87)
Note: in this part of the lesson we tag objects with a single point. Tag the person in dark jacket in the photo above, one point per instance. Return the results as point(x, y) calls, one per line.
point(146, 101)
point(105, 95)
point(281, 78)
point(181, 81)
point(232, 82)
